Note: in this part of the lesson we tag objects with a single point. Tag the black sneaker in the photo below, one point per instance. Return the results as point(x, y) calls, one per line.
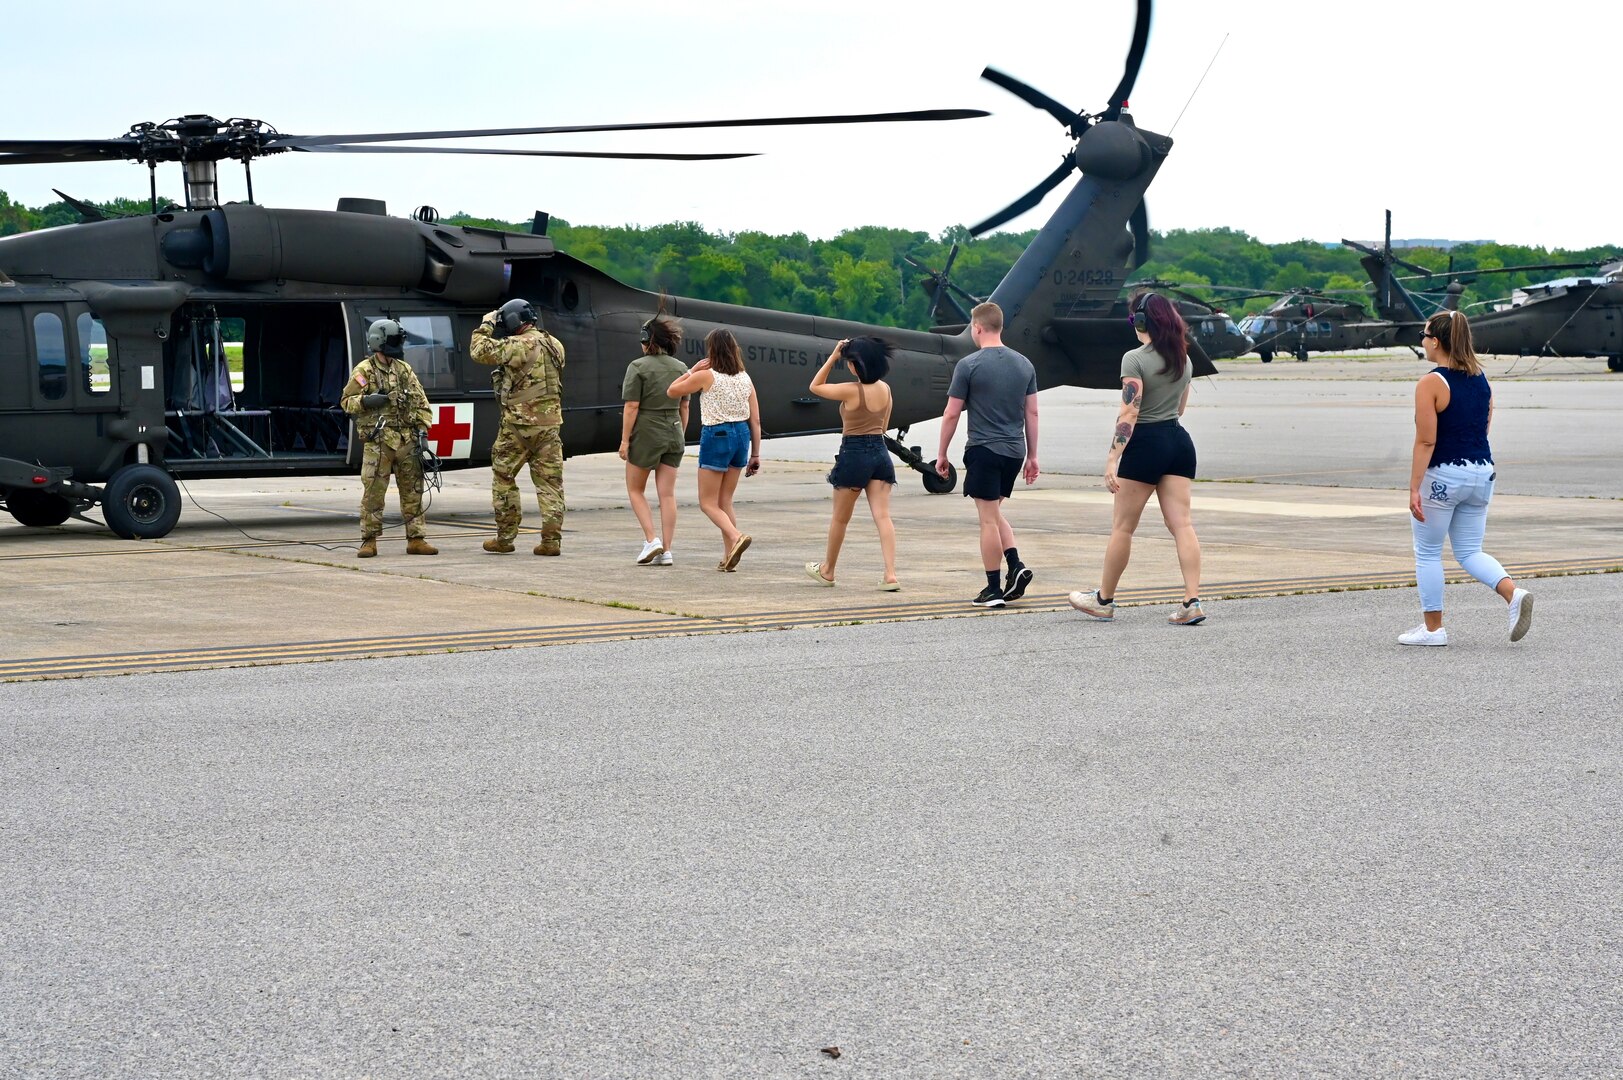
point(1014, 586)
point(991, 596)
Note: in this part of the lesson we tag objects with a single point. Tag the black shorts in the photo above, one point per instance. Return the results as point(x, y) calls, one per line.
point(989, 474)
point(862, 459)
point(1157, 450)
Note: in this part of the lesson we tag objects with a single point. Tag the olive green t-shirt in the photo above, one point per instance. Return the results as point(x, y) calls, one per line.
point(1162, 392)
point(647, 379)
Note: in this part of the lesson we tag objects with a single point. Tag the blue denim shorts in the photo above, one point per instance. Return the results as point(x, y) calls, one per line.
point(724, 446)
point(861, 460)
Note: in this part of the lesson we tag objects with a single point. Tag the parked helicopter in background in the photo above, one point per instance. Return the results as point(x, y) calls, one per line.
point(1304, 321)
point(1578, 316)
point(114, 376)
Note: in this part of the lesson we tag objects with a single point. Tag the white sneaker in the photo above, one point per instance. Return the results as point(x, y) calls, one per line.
point(650, 552)
point(667, 559)
point(1088, 603)
point(1521, 614)
point(1421, 636)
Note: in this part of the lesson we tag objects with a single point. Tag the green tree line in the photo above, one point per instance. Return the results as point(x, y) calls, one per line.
point(861, 273)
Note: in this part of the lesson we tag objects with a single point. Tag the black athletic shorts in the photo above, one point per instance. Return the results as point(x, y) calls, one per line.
point(989, 474)
point(1157, 450)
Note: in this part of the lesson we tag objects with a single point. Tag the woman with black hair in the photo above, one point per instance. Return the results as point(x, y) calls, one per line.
point(862, 464)
point(1151, 453)
point(652, 436)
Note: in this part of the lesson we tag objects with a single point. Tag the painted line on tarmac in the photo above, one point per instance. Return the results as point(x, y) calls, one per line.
point(533, 636)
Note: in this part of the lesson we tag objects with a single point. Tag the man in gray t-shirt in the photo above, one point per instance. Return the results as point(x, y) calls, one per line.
point(998, 387)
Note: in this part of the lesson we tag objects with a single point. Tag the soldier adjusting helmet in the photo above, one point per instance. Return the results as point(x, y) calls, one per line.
point(515, 313)
point(387, 337)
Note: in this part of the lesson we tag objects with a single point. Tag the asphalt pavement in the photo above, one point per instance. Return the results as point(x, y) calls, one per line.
point(1010, 845)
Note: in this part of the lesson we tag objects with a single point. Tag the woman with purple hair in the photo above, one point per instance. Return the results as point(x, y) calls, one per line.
point(1151, 453)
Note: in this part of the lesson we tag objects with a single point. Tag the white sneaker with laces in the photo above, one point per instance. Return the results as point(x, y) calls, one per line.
point(650, 551)
point(667, 559)
point(1521, 614)
point(1421, 636)
point(1088, 603)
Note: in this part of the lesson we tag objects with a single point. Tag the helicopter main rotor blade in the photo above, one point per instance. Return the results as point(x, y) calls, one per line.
point(109, 153)
point(64, 146)
point(1504, 270)
point(1028, 200)
point(1135, 59)
point(921, 116)
point(1074, 122)
point(341, 148)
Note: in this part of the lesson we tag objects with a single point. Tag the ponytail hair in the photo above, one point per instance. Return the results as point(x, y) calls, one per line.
point(664, 335)
point(1169, 334)
point(1453, 333)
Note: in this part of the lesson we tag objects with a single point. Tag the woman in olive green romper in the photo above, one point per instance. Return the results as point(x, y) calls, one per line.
point(652, 435)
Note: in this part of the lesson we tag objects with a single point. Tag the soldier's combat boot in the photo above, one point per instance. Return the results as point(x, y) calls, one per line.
point(369, 548)
point(418, 546)
point(499, 546)
point(549, 547)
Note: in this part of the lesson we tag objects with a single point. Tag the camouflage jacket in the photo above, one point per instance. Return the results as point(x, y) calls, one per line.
point(528, 376)
point(407, 412)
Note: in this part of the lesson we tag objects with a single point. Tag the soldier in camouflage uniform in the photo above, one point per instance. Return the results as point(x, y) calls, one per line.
point(529, 365)
point(390, 409)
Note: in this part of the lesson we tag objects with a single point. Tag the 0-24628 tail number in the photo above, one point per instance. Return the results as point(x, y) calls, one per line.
point(1084, 278)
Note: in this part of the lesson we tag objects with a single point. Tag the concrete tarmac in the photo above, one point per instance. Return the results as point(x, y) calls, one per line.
point(1275, 845)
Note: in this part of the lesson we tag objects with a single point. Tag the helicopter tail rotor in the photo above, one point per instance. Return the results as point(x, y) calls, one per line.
point(1105, 146)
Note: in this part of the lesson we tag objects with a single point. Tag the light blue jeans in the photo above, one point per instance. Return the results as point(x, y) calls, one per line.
point(1455, 500)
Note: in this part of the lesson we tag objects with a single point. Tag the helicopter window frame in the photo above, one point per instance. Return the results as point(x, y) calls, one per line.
point(431, 348)
point(52, 376)
point(88, 363)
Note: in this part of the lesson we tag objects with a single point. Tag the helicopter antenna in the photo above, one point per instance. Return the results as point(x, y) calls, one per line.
point(1201, 81)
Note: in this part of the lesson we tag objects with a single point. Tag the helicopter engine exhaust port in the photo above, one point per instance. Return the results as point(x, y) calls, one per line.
point(141, 502)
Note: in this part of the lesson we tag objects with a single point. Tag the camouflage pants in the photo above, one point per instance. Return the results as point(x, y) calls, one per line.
point(543, 448)
point(377, 462)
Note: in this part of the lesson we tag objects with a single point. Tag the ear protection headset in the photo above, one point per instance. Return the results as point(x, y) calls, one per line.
point(1141, 320)
point(646, 334)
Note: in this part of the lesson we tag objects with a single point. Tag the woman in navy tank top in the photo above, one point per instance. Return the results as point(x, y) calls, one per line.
point(1451, 479)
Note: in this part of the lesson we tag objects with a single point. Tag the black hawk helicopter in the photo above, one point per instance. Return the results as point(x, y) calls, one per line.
point(1580, 316)
point(113, 371)
point(1305, 321)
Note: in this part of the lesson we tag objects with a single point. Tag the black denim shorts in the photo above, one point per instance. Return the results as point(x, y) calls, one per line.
point(1157, 450)
point(862, 459)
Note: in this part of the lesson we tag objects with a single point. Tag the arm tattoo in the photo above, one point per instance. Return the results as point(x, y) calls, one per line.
point(1129, 393)
point(1124, 431)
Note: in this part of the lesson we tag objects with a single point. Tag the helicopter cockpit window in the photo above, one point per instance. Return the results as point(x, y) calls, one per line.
point(51, 350)
point(429, 345)
point(93, 354)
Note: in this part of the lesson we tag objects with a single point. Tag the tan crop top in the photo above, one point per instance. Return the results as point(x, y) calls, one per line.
point(857, 418)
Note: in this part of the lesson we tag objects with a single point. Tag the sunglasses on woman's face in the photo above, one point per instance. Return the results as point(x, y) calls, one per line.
point(1424, 335)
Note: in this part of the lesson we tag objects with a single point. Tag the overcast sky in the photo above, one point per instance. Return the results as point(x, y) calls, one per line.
point(1470, 119)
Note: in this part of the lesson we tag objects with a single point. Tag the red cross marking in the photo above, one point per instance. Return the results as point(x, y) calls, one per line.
point(445, 431)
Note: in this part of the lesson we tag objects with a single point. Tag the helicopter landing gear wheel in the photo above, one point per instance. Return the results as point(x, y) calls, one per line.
point(38, 509)
point(141, 503)
point(1267, 355)
point(1614, 363)
point(1301, 353)
point(936, 484)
